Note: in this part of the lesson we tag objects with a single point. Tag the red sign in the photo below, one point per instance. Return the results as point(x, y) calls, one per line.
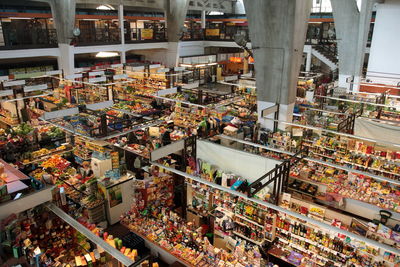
point(235, 59)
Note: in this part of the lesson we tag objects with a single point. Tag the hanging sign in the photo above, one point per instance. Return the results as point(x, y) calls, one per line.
point(117, 65)
point(98, 79)
point(138, 68)
point(163, 70)
point(53, 72)
point(35, 88)
point(154, 66)
point(179, 68)
point(212, 32)
point(73, 76)
point(147, 34)
point(96, 73)
point(14, 83)
point(120, 76)
point(235, 59)
point(6, 93)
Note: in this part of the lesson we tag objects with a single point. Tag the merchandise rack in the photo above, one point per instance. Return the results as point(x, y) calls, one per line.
point(282, 210)
point(110, 126)
point(318, 162)
point(91, 236)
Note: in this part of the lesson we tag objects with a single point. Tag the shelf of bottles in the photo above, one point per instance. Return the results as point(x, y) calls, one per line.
point(253, 221)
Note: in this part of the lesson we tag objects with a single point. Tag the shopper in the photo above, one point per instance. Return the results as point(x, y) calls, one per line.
point(39, 104)
point(86, 171)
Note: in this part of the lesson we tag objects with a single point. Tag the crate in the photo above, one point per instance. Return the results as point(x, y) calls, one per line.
point(134, 241)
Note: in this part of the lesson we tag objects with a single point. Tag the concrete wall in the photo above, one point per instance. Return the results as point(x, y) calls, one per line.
point(384, 58)
point(191, 48)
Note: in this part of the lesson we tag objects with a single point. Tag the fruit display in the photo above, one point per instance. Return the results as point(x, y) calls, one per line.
point(22, 129)
point(55, 162)
point(42, 153)
point(7, 117)
point(48, 131)
point(137, 107)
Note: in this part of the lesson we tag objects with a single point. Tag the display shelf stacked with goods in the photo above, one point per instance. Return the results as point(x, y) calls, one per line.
point(184, 241)
point(325, 251)
point(141, 106)
point(47, 236)
point(155, 190)
point(93, 121)
point(14, 184)
point(204, 97)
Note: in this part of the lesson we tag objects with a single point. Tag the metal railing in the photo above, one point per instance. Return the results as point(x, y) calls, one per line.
point(32, 38)
point(98, 36)
point(145, 35)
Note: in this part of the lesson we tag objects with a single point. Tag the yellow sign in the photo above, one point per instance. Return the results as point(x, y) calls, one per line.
point(212, 32)
point(147, 34)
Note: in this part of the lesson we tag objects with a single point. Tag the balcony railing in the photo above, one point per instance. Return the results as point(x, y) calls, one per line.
point(98, 36)
point(42, 38)
point(215, 34)
point(145, 35)
point(34, 38)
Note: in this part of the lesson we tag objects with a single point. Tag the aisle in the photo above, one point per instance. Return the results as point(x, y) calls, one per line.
point(118, 230)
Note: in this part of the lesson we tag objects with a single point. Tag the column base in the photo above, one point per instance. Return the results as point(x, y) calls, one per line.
point(172, 55)
point(285, 114)
point(66, 60)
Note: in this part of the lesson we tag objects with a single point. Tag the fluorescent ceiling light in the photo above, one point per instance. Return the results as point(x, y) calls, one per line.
point(213, 13)
point(186, 65)
point(105, 7)
point(107, 54)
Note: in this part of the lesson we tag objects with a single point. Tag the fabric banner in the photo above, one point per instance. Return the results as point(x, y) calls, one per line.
point(376, 130)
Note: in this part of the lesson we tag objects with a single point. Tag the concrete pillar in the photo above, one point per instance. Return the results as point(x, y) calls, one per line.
point(203, 19)
point(352, 27)
point(277, 32)
point(175, 16)
point(66, 60)
point(64, 19)
point(384, 56)
point(245, 62)
point(122, 32)
point(308, 61)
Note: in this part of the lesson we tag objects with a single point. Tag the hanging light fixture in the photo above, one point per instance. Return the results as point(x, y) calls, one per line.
point(105, 7)
point(106, 54)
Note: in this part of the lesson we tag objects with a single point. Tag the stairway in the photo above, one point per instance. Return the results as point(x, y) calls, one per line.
point(327, 56)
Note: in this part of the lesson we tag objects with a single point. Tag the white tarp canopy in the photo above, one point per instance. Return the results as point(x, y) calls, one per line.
point(376, 130)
